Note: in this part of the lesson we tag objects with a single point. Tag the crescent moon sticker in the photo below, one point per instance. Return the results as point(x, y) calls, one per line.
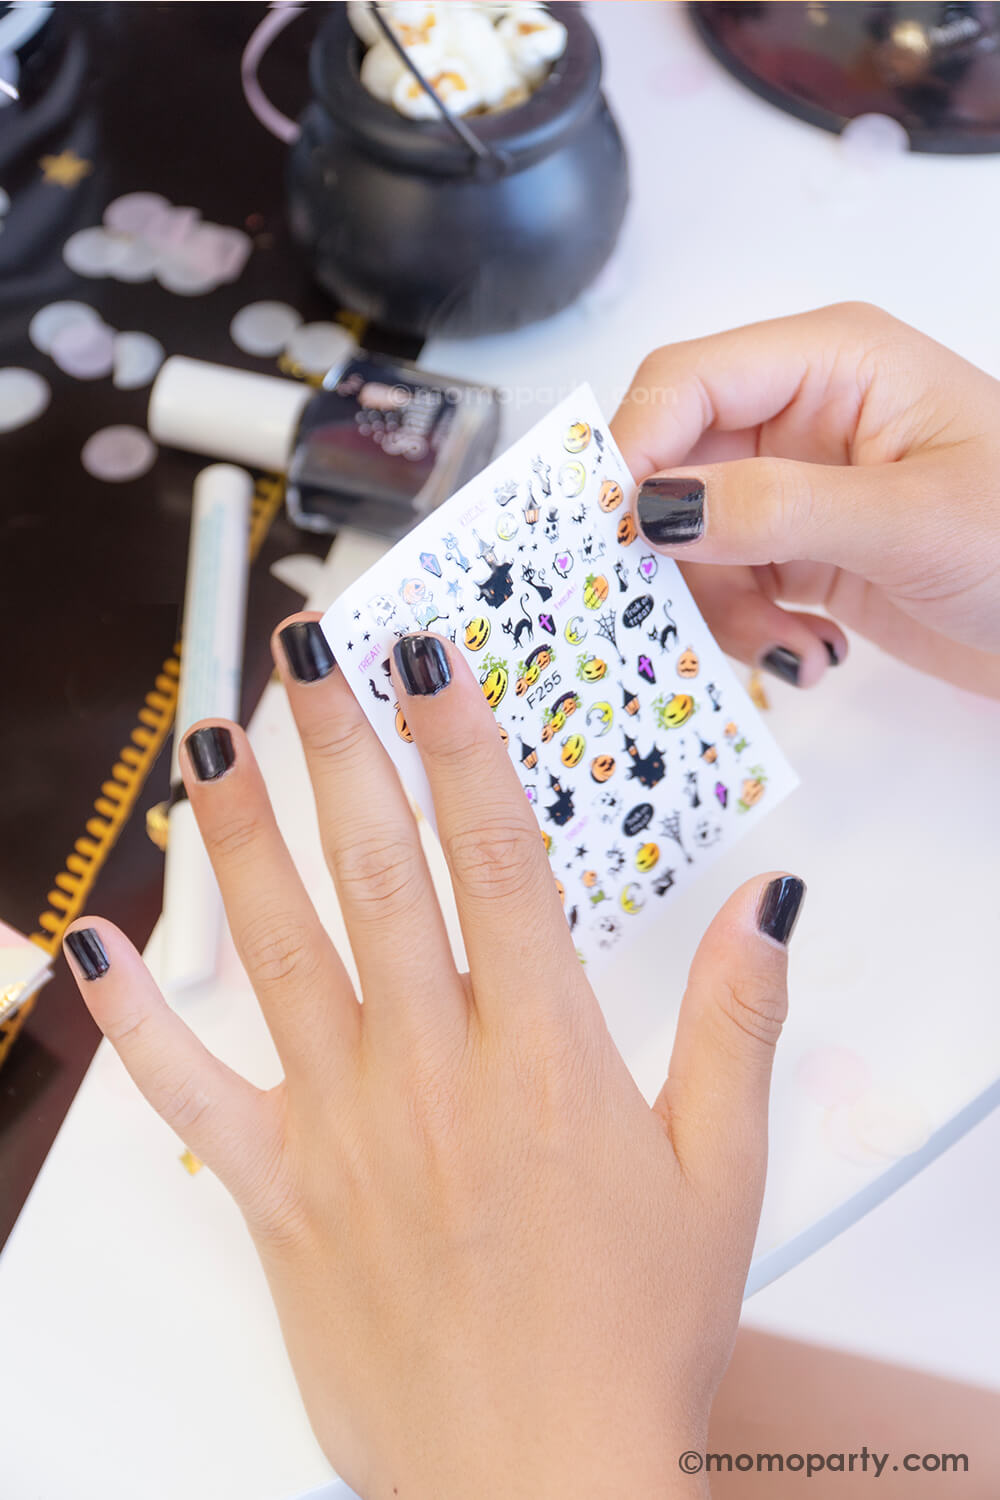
point(631, 899)
point(576, 630)
point(603, 714)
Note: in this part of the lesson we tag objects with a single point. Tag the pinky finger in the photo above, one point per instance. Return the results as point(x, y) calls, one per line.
point(797, 647)
point(216, 1112)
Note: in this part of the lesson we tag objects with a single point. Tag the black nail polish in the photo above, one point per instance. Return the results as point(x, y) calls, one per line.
point(671, 511)
point(422, 663)
point(88, 950)
point(780, 906)
point(783, 663)
point(834, 658)
point(307, 651)
point(211, 751)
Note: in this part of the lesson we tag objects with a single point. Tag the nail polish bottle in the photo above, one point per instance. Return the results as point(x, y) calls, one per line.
point(379, 445)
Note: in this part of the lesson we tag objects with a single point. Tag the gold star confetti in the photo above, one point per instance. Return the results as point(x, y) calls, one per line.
point(190, 1162)
point(758, 697)
point(66, 169)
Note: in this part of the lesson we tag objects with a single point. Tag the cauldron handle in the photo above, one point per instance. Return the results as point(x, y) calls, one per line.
point(486, 157)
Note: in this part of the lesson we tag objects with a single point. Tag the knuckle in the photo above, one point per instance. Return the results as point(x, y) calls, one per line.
point(335, 738)
point(378, 875)
point(275, 948)
point(494, 860)
point(787, 503)
point(232, 835)
point(756, 1007)
point(183, 1103)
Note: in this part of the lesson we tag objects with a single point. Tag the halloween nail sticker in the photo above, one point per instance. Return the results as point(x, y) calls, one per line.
point(521, 626)
point(477, 633)
point(532, 554)
point(454, 553)
point(668, 632)
point(601, 716)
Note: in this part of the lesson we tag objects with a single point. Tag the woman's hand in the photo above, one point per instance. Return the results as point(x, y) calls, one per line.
point(498, 1271)
point(836, 458)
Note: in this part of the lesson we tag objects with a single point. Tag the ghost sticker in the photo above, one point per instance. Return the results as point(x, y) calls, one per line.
point(382, 609)
point(648, 566)
point(562, 563)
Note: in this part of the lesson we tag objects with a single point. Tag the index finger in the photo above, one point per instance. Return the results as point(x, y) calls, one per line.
point(516, 935)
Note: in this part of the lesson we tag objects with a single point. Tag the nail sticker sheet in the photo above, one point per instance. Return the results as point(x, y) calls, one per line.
point(640, 752)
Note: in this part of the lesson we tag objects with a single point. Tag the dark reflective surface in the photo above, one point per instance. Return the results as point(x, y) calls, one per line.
point(934, 67)
point(92, 574)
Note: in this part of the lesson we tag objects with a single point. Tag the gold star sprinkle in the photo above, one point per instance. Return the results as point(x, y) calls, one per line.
point(66, 169)
point(190, 1162)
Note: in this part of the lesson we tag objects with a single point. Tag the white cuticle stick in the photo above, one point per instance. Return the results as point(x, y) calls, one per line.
point(211, 661)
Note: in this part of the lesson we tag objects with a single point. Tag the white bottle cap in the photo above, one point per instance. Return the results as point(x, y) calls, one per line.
point(224, 413)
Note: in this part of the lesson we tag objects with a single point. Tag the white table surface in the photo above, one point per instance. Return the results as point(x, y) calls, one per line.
point(147, 1359)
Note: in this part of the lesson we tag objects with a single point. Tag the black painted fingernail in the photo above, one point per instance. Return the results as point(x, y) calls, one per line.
point(211, 751)
point(422, 663)
point(307, 651)
point(780, 906)
point(834, 658)
point(88, 950)
point(783, 663)
point(671, 511)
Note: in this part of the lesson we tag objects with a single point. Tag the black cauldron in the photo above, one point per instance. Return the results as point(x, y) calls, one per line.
point(405, 224)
